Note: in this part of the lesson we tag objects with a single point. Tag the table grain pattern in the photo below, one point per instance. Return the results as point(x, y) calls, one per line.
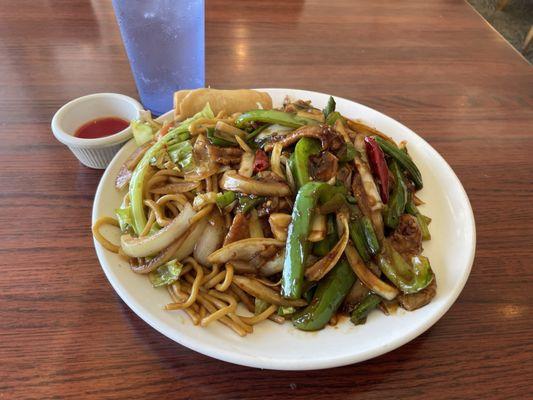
point(436, 66)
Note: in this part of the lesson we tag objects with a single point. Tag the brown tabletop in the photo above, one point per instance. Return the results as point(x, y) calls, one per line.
point(436, 66)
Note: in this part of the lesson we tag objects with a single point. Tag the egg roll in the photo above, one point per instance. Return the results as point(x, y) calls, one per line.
point(189, 102)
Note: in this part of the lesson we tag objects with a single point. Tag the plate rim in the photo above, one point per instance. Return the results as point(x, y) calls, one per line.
point(294, 364)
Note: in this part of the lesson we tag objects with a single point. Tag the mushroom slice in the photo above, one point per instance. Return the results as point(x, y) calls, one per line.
point(245, 249)
point(279, 222)
point(238, 183)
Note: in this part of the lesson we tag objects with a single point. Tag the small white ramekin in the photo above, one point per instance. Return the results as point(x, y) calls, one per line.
point(94, 153)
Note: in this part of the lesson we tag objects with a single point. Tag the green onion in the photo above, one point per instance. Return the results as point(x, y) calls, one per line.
point(330, 107)
point(225, 199)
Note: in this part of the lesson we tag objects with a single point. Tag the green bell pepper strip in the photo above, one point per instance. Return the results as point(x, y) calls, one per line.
point(410, 207)
point(358, 239)
point(424, 228)
point(370, 302)
point(347, 153)
point(362, 234)
point(311, 289)
point(273, 117)
point(402, 158)
point(371, 240)
point(398, 199)
point(328, 297)
point(330, 107)
point(337, 202)
point(421, 219)
point(408, 278)
point(305, 148)
point(297, 246)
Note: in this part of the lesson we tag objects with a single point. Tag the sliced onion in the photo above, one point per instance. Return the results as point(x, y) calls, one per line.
point(366, 276)
point(275, 160)
point(288, 174)
point(274, 265)
point(201, 172)
point(319, 269)
point(369, 185)
point(187, 247)
point(244, 145)
point(246, 168)
point(318, 116)
point(204, 199)
point(243, 267)
point(174, 188)
point(237, 183)
point(211, 239)
point(256, 230)
point(164, 256)
point(244, 249)
point(339, 127)
point(230, 129)
point(279, 223)
point(263, 292)
point(150, 245)
point(273, 130)
point(319, 228)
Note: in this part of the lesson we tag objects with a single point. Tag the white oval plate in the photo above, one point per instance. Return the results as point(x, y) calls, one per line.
point(283, 347)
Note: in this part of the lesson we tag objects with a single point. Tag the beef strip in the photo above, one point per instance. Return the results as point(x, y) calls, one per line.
point(268, 176)
point(224, 155)
point(344, 175)
point(238, 230)
point(407, 238)
point(323, 166)
point(329, 138)
point(416, 300)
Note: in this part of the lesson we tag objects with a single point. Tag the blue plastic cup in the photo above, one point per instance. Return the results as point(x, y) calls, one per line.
point(164, 41)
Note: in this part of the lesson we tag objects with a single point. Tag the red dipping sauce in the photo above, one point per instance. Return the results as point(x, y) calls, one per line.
point(101, 127)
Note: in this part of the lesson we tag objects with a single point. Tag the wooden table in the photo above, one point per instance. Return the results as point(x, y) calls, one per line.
point(434, 65)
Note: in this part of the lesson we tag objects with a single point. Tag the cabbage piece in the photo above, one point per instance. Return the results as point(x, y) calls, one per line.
point(284, 311)
point(139, 174)
point(142, 132)
point(166, 274)
point(260, 306)
point(124, 218)
point(181, 154)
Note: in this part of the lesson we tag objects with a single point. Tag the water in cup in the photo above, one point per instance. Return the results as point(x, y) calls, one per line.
point(164, 40)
